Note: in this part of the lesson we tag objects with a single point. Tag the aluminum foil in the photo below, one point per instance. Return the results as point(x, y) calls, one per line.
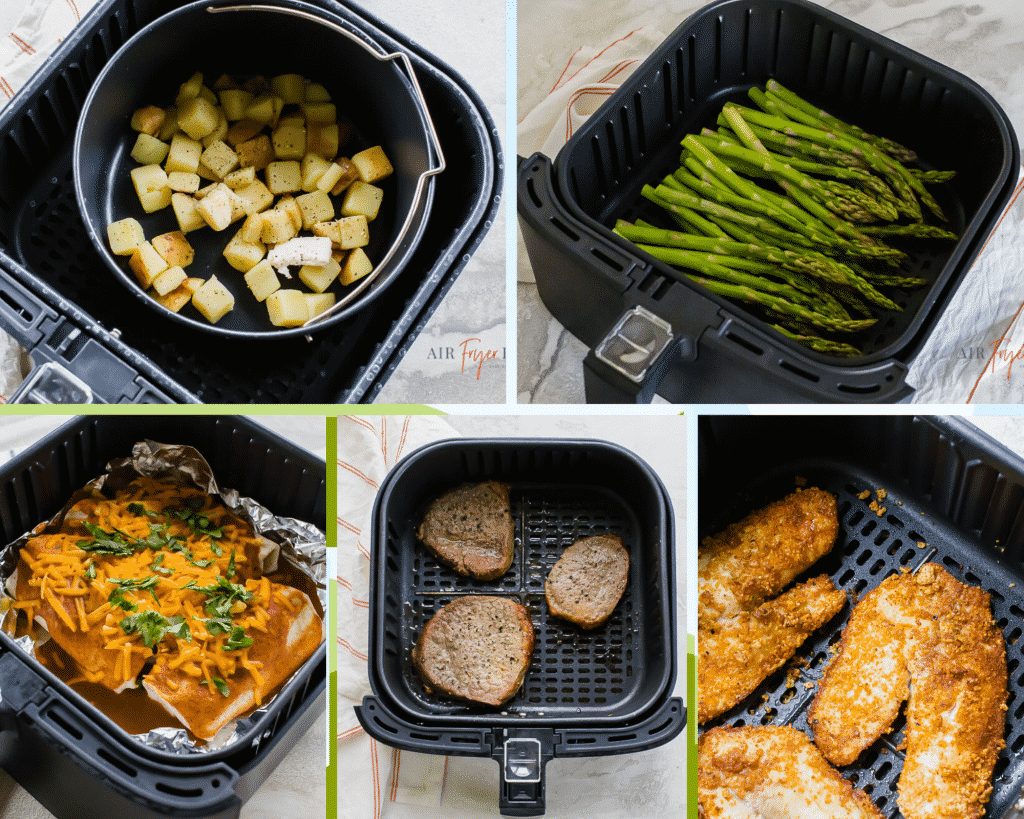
point(302, 545)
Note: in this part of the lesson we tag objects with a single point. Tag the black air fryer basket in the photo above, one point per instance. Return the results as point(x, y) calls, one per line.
point(695, 347)
point(949, 487)
point(64, 751)
point(587, 693)
point(92, 338)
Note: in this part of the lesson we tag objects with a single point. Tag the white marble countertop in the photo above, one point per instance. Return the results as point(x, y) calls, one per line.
point(474, 309)
point(297, 786)
point(982, 39)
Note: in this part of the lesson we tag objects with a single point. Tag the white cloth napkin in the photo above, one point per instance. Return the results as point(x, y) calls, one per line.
point(975, 354)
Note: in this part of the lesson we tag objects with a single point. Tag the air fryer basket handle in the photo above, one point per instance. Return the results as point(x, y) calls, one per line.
point(606, 385)
point(522, 754)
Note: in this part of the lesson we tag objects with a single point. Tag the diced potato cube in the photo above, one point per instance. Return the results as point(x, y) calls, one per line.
point(319, 303)
point(322, 139)
point(149, 178)
point(357, 264)
point(234, 101)
point(218, 133)
point(124, 236)
point(288, 204)
point(206, 173)
point(315, 207)
point(146, 264)
point(276, 227)
point(213, 300)
point(362, 198)
point(255, 197)
point(184, 154)
point(288, 308)
point(148, 120)
point(155, 200)
point(197, 117)
point(319, 278)
point(224, 82)
point(313, 168)
point(320, 112)
point(257, 153)
point(252, 228)
point(295, 118)
point(317, 93)
point(242, 131)
point(240, 178)
point(206, 190)
point(347, 233)
point(177, 298)
point(183, 182)
point(149, 150)
point(284, 177)
point(373, 164)
point(289, 141)
point(265, 108)
point(349, 174)
point(171, 279)
point(256, 85)
point(262, 280)
point(170, 125)
point(291, 88)
point(242, 255)
point(219, 159)
point(174, 248)
point(332, 176)
point(189, 89)
point(215, 208)
point(208, 95)
point(238, 204)
point(186, 211)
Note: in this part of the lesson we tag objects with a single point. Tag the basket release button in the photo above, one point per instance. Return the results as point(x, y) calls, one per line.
point(634, 343)
point(522, 760)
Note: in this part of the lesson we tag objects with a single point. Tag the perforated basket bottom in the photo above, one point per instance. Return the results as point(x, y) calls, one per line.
point(571, 671)
point(871, 548)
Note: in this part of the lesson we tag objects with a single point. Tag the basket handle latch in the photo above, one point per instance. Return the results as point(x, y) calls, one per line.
point(522, 755)
point(629, 363)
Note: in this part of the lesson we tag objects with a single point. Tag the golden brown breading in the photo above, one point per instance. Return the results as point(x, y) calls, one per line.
point(932, 637)
point(772, 771)
point(755, 559)
point(743, 634)
point(739, 653)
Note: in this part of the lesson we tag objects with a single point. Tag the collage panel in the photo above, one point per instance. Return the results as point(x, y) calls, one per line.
point(163, 637)
point(303, 207)
point(768, 202)
point(859, 615)
point(511, 594)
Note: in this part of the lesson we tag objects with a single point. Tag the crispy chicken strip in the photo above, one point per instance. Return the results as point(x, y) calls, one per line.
point(772, 772)
point(934, 636)
point(755, 559)
point(739, 653)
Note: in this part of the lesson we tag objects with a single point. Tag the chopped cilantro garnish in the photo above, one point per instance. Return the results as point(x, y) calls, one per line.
point(221, 686)
point(238, 639)
point(222, 596)
point(138, 510)
point(231, 565)
point(153, 627)
point(157, 567)
point(198, 522)
point(105, 543)
point(117, 597)
point(217, 625)
point(90, 571)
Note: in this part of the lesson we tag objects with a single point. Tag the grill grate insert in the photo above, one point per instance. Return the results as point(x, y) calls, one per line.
point(571, 670)
point(871, 548)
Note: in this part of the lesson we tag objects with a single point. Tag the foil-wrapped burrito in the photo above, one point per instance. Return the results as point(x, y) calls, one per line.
point(177, 607)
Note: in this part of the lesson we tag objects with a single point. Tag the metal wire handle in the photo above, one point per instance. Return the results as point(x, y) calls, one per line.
point(381, 55)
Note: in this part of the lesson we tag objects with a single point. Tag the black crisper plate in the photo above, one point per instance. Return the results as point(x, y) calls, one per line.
point(941, 493)
point(605, 676)
point(570, 205)
point(43, 246)
point(68, 754)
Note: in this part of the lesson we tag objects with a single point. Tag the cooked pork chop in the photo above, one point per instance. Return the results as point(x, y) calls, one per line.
point(476, 648)
point(471, 529)
point(587, 582)
point(772, 772)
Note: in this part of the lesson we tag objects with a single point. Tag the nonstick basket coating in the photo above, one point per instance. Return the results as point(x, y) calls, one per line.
point(561, 491)
point(381, 106)
point(959, 502)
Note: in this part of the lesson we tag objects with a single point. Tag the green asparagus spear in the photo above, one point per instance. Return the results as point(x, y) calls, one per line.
point(820, 345)
point(915, 231)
